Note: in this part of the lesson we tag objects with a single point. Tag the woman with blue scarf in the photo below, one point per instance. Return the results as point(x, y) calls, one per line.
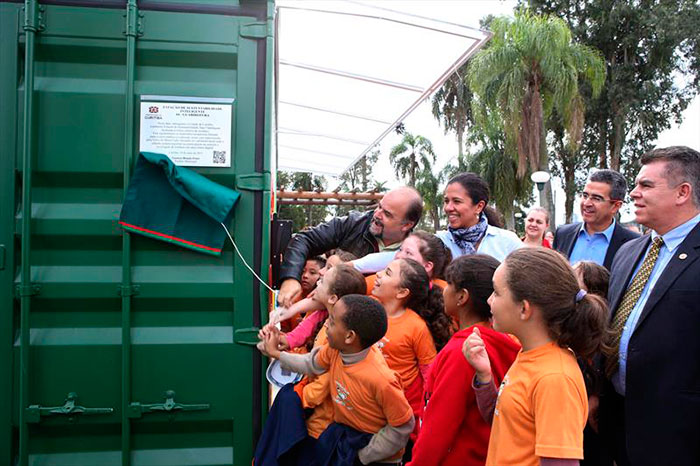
point(465, 202)
point(469, 232)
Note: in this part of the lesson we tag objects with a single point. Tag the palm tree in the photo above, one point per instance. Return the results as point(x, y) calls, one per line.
point(452, 105)
point(492, 160)
point(410, 156)
point(531, 67)
point(428, 185)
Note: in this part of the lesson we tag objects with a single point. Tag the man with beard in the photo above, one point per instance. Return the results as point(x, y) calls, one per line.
point(358, 233)
point(599, 237)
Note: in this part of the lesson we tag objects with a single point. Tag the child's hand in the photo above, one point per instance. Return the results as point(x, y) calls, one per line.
point(261, 347)
point(283, 344)
point(278, 315)
point(271, 341)
point(475, 352)
point(265, 330)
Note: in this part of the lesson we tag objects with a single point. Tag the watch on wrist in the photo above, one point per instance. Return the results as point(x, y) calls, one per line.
point(481, 384)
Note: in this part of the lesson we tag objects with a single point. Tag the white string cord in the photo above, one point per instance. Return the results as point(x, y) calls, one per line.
point(246, 263)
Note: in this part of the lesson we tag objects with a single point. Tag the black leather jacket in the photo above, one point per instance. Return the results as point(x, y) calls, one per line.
point(349, 233)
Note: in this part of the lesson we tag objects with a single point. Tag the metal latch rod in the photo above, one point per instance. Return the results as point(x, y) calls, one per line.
point(136, 409)
point(69, 408)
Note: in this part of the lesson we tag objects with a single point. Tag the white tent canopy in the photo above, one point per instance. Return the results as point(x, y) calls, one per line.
point(348, 72)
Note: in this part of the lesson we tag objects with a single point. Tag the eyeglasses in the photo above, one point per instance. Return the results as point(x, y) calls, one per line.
point(596, 199)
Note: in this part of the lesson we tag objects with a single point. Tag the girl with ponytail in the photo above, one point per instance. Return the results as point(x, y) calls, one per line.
point(415, 325)
point(541, 408)
point(453, 432)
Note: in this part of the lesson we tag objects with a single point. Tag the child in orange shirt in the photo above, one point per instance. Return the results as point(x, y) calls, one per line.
point(453, 433)
point(541, 408)
point(315, 314)
point(425, 248)
point(367, 395)
point(416, 323)
point(339, 281)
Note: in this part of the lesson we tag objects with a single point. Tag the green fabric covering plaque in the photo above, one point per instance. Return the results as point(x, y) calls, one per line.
point(177, 205)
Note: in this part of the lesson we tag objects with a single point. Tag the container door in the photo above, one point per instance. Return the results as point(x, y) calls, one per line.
point(138, 350)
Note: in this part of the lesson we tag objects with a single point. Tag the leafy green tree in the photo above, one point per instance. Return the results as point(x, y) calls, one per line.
point(302, 215)
point(531, 67)
point(495, 162)
point(428, 185)
point(567, 163)
point(411, 156)
point(360, 176)
point(380, 187)
point(652, 55)
point(452, 106)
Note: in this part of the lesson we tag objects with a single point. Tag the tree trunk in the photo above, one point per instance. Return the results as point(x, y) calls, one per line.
point(569, 188)
point(460, 143)
point(603, 155)
point(510, 220)
point(546, 199)
point(412, 176)
point(617, 140)
point(435, 211)
point(363, 171)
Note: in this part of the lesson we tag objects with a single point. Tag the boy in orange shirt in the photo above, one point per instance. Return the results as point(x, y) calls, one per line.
point(367, 395)
point(338, 281)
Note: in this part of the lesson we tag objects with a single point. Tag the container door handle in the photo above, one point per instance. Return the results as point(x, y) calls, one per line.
point(69, 408)
point(246, 336)
point(137, 410)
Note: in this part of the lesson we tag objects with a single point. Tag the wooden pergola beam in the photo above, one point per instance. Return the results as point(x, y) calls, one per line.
point(310, 195)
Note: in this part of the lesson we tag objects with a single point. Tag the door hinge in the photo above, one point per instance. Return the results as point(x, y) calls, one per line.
point(253, 182)
point(132, 290)
point(133, 24)
point(255, 31)
point(27, 290)
point(35, 18)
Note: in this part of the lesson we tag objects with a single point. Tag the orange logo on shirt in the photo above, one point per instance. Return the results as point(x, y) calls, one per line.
point(381, 344)
point(342, 396)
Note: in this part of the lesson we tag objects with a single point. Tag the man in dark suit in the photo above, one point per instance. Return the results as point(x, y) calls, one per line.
point(650, 405)
point(599, 236)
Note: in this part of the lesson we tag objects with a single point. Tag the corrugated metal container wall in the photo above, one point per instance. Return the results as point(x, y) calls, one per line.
point(151, 339)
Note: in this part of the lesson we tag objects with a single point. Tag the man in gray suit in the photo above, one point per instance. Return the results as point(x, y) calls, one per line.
point(650, 405)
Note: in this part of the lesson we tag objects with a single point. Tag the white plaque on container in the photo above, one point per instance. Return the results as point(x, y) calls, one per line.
point(191, 131)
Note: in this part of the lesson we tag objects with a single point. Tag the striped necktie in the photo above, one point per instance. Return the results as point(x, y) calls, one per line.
point(627, 304)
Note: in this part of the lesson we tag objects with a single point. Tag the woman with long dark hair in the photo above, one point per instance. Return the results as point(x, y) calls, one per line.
point(470, 231)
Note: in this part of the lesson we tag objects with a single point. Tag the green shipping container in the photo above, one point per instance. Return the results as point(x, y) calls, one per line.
point(115, 348)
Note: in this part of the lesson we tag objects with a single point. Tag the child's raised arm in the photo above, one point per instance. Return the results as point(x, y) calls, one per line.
point(302, 363)
point(285, 313)
point(373, 263)
point(306, 327)
point(475, 352)
point(484, 389)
